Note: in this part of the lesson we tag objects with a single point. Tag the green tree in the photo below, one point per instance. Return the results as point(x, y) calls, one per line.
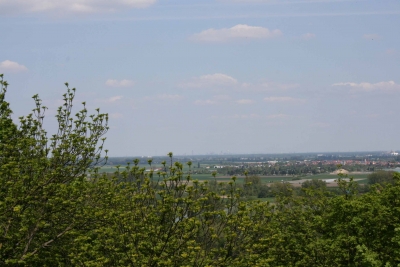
point(264, 191)
point(380, 177)
point(314, 184)
point(167, 219)
point(252, 185)
point(43, 180)
point(282, 189)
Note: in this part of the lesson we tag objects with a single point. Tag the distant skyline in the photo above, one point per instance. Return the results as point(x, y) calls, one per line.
point(244, 76)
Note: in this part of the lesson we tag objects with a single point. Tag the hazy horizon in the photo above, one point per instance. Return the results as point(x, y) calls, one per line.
point(325, 153)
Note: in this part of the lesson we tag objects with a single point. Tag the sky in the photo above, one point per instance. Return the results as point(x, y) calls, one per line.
point(212, 76)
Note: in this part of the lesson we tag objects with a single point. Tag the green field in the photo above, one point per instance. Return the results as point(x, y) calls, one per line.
point(240, 179)
point(269, 179)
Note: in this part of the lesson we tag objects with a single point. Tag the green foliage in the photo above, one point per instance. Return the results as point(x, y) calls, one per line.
point(43, 179)
point(314, 184)
point(264, 192)
point(282, 189)
point(166, 220)
point(252, 185)
point(380, 177)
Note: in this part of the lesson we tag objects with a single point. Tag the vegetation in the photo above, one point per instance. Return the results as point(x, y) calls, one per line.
point(56, 209)
point(44, 192)
point(380, 177)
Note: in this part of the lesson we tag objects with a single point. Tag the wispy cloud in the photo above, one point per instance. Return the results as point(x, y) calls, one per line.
point(121, 83)
point(210, 81)
point(267, 87)
point(245, 101)
point(368, 87)
point(284, 99)
point(11, 66)
point(114, 98)
point(109, 100)
point(70, 6)
point(205, 102)
point(240, 31)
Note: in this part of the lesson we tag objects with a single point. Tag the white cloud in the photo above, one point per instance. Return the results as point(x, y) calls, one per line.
point(218, 78)
point(216, 99)
point(121, 83)
point(266, 87)
point(70, 6)
point(308, 36)
point(245, 101)
point(11, 66)
point(109, 100)
point(371, 36)
point(283, 99)
point(240, 31)
point(368, 87)
point(114, 99)
point(211, 80)
point(205, 102)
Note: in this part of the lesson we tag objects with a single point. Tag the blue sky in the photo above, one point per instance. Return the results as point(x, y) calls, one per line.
point(213, 76)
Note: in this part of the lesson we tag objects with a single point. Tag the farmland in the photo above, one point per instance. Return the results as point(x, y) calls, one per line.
point(295, 180)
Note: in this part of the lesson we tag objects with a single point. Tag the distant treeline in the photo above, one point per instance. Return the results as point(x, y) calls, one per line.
point(226, 159)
